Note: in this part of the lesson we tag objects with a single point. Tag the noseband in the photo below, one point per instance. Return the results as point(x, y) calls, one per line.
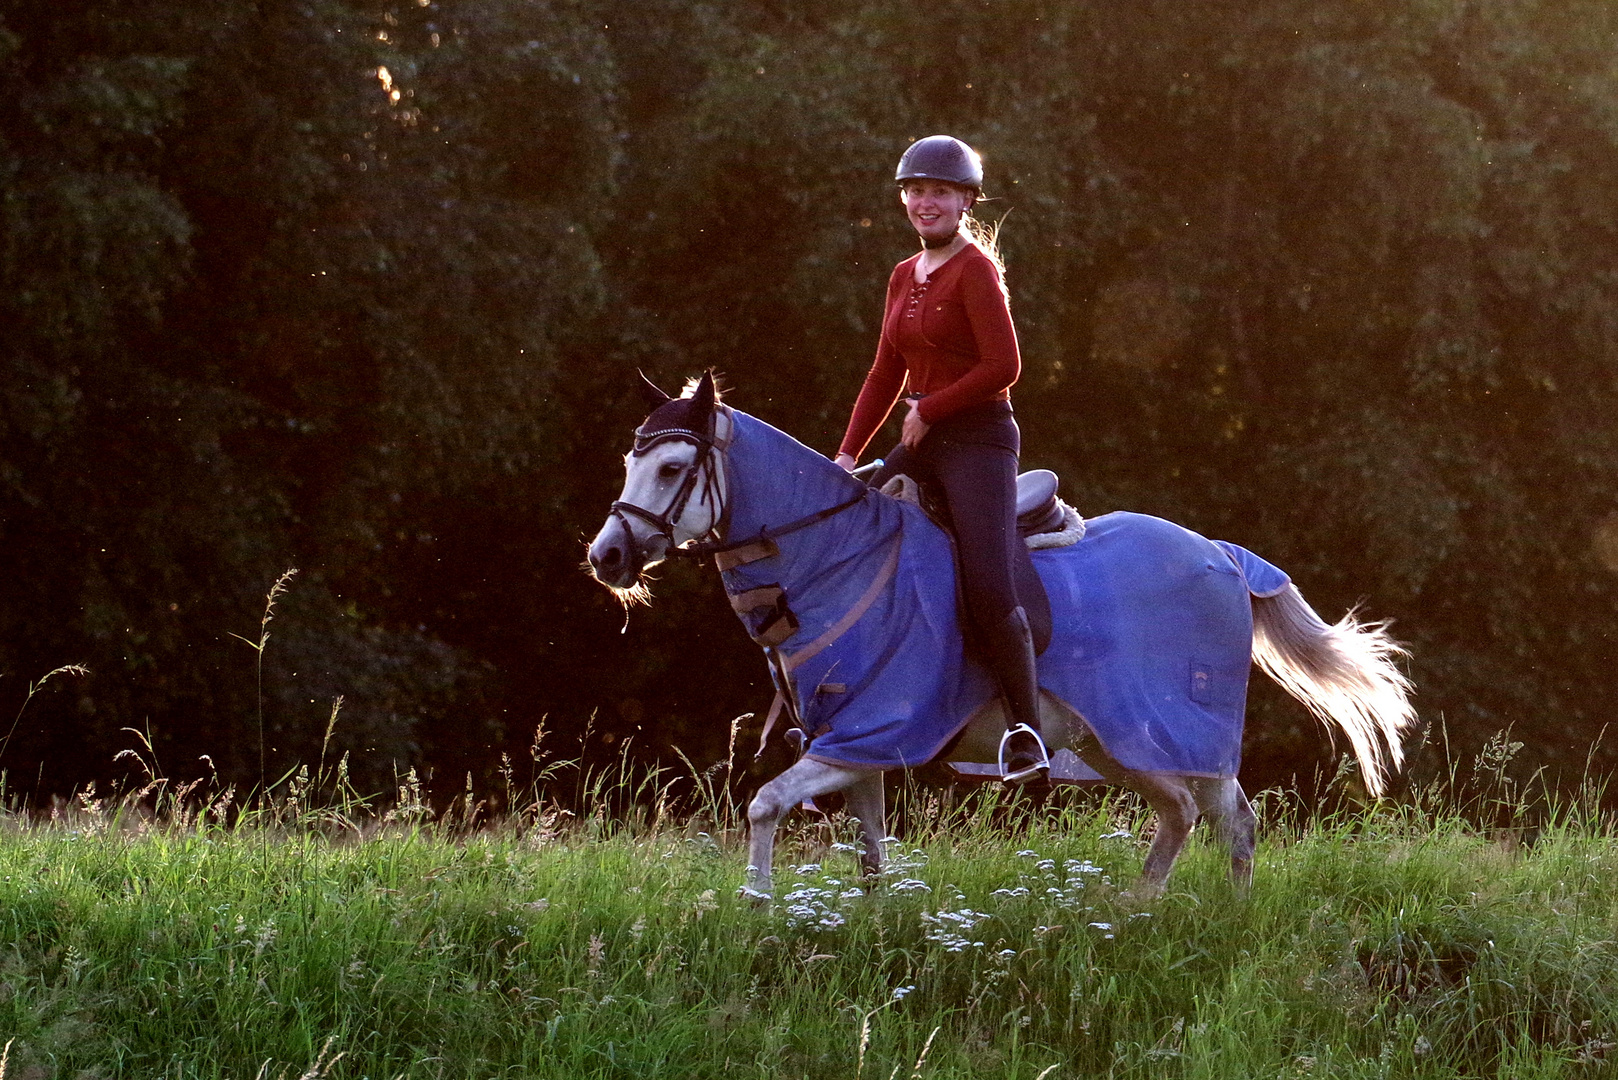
point(705, 469)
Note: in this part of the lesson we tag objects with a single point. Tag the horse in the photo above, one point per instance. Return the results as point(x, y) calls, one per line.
point(851, 593)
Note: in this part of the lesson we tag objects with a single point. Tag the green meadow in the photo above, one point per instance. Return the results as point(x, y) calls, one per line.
point(299, 942)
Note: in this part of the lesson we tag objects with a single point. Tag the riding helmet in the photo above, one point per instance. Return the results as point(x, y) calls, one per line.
point(940, 157)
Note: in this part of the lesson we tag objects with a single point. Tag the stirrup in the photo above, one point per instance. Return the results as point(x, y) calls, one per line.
point(1029, 772)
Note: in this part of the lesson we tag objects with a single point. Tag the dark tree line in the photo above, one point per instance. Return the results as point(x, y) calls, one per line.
point(357, 287)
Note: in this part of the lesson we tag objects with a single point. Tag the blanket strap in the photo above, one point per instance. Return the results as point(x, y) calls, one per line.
point(768, 604)
point(852, 616)
point(746, 553)
point(769, 723)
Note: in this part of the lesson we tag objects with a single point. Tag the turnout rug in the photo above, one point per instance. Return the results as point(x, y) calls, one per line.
point(1152, 622)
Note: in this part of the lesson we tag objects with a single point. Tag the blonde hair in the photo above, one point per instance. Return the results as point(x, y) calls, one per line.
point(986, 237)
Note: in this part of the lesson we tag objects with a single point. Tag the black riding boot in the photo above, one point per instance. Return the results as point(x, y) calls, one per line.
point(1010, 652)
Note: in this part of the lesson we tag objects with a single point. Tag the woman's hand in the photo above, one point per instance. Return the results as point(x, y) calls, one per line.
point(846, 461)
point(915, 428)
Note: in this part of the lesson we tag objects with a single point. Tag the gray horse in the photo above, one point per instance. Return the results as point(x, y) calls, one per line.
point(704, 479)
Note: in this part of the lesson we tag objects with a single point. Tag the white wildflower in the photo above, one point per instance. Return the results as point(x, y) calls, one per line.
point(809, 907)
point(949, 928)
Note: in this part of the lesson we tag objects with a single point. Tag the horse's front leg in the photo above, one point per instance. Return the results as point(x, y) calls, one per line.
point(865, 801)
point(804, 780)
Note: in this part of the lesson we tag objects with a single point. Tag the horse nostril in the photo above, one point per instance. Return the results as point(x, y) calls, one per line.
point(610, 560)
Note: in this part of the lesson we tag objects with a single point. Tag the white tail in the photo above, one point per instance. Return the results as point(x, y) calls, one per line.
point(1346, 674)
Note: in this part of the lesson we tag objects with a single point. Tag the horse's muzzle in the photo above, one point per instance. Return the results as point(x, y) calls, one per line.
point(617, 557)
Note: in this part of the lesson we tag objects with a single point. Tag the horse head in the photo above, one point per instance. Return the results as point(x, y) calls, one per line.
point(674, 487)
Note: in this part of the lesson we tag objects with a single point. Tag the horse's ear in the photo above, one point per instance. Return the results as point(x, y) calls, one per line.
point(703, 396)
point(650, 392)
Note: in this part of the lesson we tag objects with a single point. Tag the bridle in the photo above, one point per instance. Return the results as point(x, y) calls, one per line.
point(703, 470)
point(712, 446)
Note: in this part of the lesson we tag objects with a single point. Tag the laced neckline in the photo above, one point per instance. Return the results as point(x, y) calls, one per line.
point(918, 292)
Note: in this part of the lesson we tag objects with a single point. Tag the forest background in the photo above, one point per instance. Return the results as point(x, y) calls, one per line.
point(360, 287)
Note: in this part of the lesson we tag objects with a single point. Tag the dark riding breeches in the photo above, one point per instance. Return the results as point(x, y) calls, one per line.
point(970, 460)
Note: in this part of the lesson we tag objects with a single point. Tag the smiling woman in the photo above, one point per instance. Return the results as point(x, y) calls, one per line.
point(947, 339)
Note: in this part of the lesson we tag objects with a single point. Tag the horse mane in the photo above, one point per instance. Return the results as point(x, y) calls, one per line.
point(719, 388)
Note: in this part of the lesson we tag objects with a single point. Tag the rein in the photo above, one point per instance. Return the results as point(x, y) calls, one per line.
point(765, 537)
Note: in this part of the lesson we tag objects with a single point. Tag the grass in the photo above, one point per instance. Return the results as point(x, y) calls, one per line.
point(329, 943)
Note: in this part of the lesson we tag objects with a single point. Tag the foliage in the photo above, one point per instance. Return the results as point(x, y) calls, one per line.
point(358, 286)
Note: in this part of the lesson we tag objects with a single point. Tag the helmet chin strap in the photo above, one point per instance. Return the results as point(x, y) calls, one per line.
point(934, 243)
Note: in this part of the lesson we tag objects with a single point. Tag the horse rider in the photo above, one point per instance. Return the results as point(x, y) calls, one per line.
point(949, 344)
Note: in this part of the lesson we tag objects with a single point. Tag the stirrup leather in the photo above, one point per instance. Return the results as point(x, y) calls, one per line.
point(1042, 765)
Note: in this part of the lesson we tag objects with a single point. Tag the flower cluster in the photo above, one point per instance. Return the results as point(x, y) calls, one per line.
point(816, 906)
point(1065, 889)
point(896, 862)
point(950, 928)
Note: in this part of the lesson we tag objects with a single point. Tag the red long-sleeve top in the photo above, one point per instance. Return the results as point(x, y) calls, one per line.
point(950, 338)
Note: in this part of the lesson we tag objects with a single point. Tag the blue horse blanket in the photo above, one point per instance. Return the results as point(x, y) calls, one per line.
point(1152, 622)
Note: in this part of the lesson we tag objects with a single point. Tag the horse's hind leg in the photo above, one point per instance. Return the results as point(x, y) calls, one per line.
point(1233, 820)
point(1176, 810)
point(865, 798)
point(1170, 796)
point(804, 780)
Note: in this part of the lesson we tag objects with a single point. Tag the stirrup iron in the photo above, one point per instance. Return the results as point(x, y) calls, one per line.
point(1028, 772)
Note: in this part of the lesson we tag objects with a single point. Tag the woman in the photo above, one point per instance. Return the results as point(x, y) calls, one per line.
point(947, 336)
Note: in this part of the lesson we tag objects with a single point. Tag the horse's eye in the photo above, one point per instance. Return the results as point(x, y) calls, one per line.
point(669, 470)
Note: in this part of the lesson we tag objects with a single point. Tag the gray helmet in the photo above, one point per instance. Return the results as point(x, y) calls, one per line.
point(940, 157)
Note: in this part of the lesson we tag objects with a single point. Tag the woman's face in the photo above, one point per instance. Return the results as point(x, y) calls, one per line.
point(934, 207)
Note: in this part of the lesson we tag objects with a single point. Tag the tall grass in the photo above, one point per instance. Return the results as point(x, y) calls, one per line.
point(315, 935)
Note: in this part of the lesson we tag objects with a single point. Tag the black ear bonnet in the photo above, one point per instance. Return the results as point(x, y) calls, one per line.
point(691, 418)
point(677, 417)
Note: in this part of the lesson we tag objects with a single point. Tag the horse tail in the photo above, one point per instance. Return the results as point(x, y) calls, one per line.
point(1347, 675)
